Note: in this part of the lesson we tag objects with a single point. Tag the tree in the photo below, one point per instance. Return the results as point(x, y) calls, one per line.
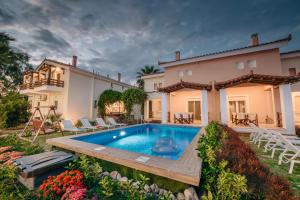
point(147, 70)
point(12, 63)
point(14, 110)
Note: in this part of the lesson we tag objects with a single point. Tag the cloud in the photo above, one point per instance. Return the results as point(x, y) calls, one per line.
point(124, 35)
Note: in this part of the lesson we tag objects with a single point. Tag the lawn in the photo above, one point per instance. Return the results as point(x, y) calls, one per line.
point(281, 170)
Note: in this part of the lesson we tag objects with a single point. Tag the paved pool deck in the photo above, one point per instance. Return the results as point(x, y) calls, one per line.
point(186, 169)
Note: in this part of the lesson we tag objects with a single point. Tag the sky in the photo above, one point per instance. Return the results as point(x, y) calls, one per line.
point(111, 36)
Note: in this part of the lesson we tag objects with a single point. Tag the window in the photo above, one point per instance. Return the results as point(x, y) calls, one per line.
point(160, 85)
point(111, 85)
point(180, 74)
point(292, 71)
point(251, 63)
point(240, 65)
point(58, 77)
point(189, 72)
point(95, 103)
point(56, 104)
point(38, 104)
point(155, 86)
point(194, 106)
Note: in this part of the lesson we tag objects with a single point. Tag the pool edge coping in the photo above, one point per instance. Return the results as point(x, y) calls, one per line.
point(186, 169)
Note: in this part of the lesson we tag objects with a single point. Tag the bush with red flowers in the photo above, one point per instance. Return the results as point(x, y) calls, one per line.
point(56, 186)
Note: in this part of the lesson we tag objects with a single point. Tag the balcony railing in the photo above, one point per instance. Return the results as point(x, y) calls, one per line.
point(52, 82)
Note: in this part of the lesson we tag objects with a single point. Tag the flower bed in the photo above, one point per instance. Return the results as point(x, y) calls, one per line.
point(229, 165)
point(86, 180)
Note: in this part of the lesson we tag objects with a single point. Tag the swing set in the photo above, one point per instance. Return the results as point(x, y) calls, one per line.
point(41, 126)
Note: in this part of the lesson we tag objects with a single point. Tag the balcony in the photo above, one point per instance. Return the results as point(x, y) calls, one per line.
point(43, 85)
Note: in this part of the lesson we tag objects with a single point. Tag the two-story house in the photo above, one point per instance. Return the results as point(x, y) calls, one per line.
point(72, 90)
point(251, 79)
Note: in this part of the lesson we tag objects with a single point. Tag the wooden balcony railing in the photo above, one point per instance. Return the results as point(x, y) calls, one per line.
point(52, 82)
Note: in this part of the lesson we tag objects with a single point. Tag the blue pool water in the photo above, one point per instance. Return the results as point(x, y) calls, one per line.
point(167, 141)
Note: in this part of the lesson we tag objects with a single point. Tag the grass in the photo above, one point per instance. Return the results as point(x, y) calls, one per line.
point(282, 170)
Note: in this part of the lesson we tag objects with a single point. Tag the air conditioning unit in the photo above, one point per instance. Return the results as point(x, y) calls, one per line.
point(42, 98)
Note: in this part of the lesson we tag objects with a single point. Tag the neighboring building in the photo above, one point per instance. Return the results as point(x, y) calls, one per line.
point(72, 90)
point(251, 79)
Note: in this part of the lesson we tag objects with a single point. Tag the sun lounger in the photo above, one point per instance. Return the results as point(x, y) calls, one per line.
point(114, 123)
point(86, 124)
point(67, 125)
point(100, 122)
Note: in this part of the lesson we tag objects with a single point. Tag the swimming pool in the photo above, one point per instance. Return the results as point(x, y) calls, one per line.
point(166, 141)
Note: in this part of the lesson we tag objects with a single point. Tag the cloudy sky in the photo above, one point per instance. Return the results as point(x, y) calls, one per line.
point(123, 35)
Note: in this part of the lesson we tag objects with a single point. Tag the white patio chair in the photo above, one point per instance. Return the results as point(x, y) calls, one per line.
point(67, 125)
point(102, 123)
point(114, 123)
point(86, 124)
point(290, 155)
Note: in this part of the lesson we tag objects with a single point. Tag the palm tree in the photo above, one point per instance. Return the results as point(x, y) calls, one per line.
point(145, 71)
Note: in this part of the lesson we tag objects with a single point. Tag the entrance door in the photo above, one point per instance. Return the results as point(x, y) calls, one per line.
point(194, 106)
point(297, 109)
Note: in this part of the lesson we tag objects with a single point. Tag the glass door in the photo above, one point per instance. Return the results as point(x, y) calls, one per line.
point(237, 107)
point(194, 106)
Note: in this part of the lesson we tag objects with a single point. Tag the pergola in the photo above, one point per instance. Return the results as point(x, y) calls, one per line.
point(257, 78)
point(182, 84)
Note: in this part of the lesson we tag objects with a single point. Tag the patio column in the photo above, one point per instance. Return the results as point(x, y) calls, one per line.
point(204, 108)
point(223, 106)
point(164, 113)
point(287, 108)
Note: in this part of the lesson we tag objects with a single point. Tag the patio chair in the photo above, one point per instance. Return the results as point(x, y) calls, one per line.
point(37, 125)
point(241, 119)
point(185, 118)
point(101, 123)
point(86, 124)
point(178, 118)
point(290, 155)
point(252, 118)
point(191, 117)
point(113, 122)
point(233, 118)
point(67, 125)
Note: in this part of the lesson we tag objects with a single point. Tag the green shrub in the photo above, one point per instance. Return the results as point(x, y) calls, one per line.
point(20, 145)
point(107, 98)
point(14, 110)
point(131, 97)
point(10, 188)
point(217, 180)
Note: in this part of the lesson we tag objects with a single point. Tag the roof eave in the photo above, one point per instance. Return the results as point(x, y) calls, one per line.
point(253, 49)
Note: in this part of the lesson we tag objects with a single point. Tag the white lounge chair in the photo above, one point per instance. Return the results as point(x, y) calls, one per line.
point(86, 124)
point(290, 155)
point(114, 123)
point(277, 142)
point(67, 125)
point(102, 123)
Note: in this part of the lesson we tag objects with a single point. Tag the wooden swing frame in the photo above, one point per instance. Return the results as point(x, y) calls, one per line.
point(37, 110)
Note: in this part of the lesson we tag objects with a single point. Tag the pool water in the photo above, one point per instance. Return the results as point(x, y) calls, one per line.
point(167, 141)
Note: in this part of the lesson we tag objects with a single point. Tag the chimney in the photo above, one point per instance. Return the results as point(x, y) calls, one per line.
point(177, 55)
point(74, 61)
point(254, 39)
point(119, 77)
